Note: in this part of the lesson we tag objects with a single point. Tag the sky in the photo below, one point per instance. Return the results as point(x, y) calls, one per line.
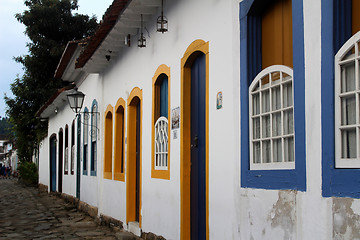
point(13, 40)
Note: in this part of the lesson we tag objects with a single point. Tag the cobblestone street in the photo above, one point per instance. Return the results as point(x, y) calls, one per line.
point(25, 213)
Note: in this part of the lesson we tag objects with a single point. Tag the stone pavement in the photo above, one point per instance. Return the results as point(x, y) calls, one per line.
point(26, 213)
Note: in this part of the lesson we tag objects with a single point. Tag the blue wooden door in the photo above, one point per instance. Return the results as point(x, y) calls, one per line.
point(53, 164)
point(137, 204)
point(78, 143)
point(198, 150)
point(61, 155)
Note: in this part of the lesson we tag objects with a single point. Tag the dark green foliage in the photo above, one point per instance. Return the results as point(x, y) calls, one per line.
point(28, 172)
point(5, 127)
point(50, 25)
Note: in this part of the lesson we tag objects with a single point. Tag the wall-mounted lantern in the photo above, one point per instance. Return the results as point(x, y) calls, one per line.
point(142, 39)
point(162, 22)
point(76, 100)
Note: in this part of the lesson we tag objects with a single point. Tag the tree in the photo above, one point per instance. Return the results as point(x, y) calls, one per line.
point(50, 25)
point(5, 126)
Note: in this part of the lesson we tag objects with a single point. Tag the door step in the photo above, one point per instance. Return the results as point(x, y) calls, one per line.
point(134, 228)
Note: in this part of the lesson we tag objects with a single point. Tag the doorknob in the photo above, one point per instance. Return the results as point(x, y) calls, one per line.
point(196, 140)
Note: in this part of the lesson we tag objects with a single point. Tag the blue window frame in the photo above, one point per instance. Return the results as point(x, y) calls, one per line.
point(94, 133)
point(85, 141)
point(250, 65)
point(336, 30)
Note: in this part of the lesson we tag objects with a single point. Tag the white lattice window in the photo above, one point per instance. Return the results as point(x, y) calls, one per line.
point(66, 159)
point(161, 144)
point(72, 158)
point(271, 121)
point(347, 92)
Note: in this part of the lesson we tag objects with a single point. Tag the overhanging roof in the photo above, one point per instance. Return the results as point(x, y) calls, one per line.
point(122, 18)
point(66, 68)
point(55, 101)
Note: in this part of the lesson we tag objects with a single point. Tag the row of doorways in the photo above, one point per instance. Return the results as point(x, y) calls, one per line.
point(197, 139)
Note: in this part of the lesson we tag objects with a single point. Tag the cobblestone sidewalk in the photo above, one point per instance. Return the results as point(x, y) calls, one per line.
point(27, 214)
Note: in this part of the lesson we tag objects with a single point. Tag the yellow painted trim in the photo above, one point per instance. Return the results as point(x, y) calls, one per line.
point(131, 155)
point(108, 142)
point(185, 131)
point(162, 174)
point(119, 174)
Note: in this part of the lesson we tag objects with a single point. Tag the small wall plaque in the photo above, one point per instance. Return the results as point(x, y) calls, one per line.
point(219, 100)
point(175, 118)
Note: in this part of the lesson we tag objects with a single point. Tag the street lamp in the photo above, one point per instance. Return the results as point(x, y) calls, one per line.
point(76, 100)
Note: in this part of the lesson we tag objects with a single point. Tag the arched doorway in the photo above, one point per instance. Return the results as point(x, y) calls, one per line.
point(133, 203)
point(194, 141)
point(53, 163)
point(61, 156)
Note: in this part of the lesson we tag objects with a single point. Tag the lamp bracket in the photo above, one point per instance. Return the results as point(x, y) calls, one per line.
point(93, 128)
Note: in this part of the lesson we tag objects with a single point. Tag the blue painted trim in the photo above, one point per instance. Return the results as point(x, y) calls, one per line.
point(85, 144)
point(273, 179)
point(335, 182)
point(342, 20)
point(92, 157)
point(244, 8)
point(327, 95)
point(299, 93)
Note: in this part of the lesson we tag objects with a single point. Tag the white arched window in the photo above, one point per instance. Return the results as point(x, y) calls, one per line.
point(347, 98)
point(161, 144)
point(271, 120)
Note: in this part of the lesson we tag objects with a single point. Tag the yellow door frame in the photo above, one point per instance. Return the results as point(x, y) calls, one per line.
point(135, 95)
point(195, 48)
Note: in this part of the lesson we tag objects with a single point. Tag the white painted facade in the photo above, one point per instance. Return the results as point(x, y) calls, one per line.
point(234, 212)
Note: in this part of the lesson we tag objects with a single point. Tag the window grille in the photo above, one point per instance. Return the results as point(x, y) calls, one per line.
point(72, 158)
point(66, 160)
point(161, 144)
point(347, 90)
point(272, 119)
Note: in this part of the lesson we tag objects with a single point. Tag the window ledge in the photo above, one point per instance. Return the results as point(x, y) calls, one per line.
point(161, 174)
point(348, 163)
point(119, 176)
point(272, 166)
point(108, 175)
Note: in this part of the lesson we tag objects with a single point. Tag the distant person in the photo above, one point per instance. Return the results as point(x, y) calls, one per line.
point(2, 171)
point(9, 172)
point(6, 172)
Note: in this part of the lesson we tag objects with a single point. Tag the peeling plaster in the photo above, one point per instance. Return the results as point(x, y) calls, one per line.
point(283, 213)
point(346, 223)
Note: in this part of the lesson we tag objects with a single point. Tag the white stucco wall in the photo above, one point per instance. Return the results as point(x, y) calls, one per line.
point(89, 185)
point(57, 121)
point(234, 212)
point(44, 177)
point(188, 21)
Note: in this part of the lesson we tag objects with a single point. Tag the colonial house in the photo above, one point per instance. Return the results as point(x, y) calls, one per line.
point(213, 119)
point(8, 155)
